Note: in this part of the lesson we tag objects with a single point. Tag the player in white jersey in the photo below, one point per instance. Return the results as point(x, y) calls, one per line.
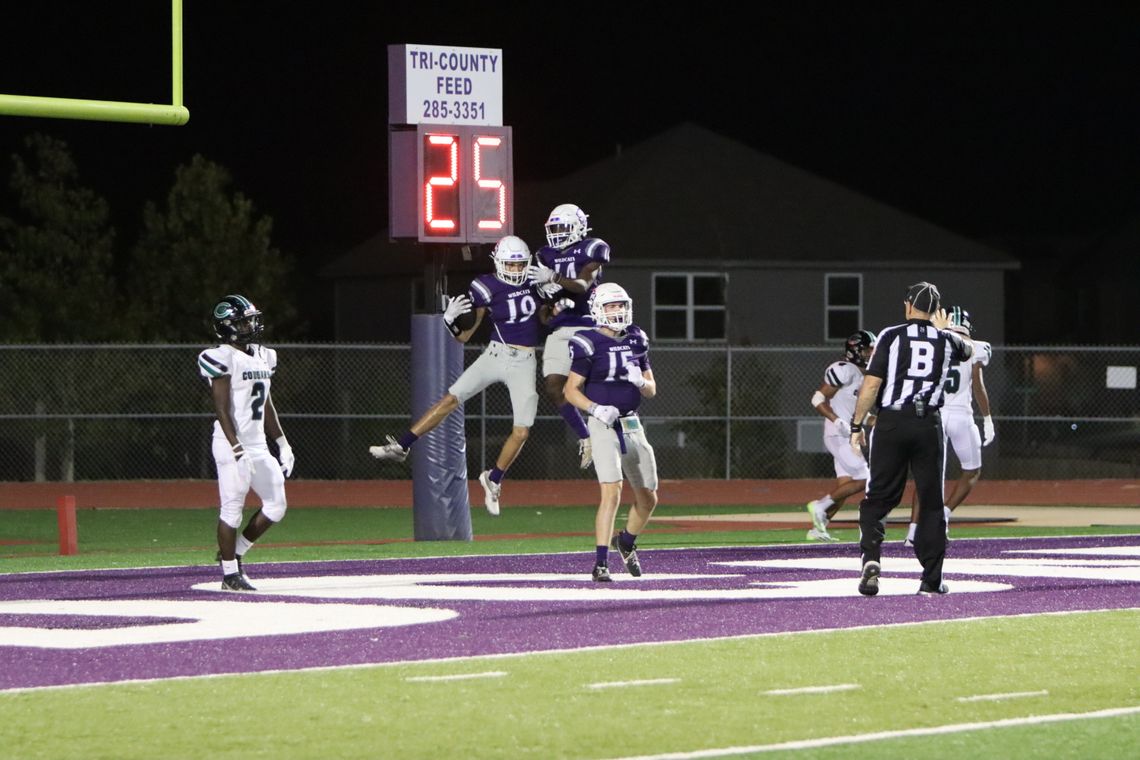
point(835, 400)
point(964, 385)
point(240, 373)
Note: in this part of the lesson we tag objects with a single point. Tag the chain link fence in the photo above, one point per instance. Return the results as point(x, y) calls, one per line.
point(112, 412)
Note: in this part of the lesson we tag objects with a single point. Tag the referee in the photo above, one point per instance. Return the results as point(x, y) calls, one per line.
point(904, 381)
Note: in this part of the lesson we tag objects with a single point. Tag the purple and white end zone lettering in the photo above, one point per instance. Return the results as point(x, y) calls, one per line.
point(117, 625)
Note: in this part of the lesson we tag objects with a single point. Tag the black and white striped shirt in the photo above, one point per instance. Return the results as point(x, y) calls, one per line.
point(912, 359)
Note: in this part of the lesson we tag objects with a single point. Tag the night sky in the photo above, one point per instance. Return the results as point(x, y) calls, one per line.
point(991, 121)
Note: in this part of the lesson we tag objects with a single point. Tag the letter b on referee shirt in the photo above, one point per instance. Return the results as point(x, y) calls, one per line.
point(921, 359)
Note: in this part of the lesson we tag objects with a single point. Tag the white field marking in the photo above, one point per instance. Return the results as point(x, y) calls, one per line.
point(496, 587)
point(622, 684)
point(1125, 569)
point(804, 547)
point(812, 689)
point(555, 652)
point(1096, 551)
point(834, 741)
point(456, 677)
point(999, 697)
point(200, 620)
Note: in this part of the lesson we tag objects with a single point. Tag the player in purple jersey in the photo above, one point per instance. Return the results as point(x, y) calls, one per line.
point(513, 308)
point(568, 269)
point(609, 375)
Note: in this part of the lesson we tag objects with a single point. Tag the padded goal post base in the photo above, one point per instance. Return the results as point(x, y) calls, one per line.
point(440, 506)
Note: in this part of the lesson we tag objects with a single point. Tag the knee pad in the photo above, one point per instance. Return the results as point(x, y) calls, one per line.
point(231, 515)
point(275, 511)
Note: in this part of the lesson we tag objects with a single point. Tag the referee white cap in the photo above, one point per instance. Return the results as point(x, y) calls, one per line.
point(923, 296)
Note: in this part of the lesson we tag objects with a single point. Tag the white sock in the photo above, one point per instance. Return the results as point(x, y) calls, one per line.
point(946, 514)
point(911, 531)
point(242, 546)
point(825, 502)
point(229, 567)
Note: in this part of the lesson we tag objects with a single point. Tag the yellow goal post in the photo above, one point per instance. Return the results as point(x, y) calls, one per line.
point(173, 115)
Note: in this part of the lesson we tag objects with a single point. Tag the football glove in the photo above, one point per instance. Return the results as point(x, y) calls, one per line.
point(605, 414)
point(244, 463)
point(988, 432)
point(540, 274)
point(285, 456)
point(549, 290)
point(843, 427)
point(455, 307)
point(562, 304)
point(633, 375)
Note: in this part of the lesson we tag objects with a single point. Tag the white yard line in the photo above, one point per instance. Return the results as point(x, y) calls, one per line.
point(832, 741)
point(812, 689)
point(456, 677)
point(621, 684)
point(1008, 695)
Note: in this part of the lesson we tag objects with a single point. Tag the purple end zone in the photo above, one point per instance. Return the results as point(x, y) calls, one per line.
point(680, 602)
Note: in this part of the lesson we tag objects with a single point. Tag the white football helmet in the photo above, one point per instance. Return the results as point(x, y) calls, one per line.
point(615, 319)
point(512, 257)
point(566, 225)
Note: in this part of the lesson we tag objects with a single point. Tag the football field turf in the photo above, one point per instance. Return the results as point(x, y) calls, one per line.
point(745, 643)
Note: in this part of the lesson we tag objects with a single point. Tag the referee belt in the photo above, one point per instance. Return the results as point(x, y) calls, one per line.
point(918, 411)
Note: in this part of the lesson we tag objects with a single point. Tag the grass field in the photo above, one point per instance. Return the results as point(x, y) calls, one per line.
point(1048, 686)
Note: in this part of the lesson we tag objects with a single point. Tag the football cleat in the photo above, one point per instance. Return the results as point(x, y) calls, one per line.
point(491, 492)
point(869, 581)
point(602, 574)
point(628, 557)
point(924, 589)
point(236, 582)
point(391, 451)
point(818, 517)
point(241, 570)
point(820, 535)
point(586, 452)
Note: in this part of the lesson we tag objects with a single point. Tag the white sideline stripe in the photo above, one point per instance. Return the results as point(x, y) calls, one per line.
point(456, 676)
point(644, 682)
point(833, 741)
point(1009, 695)
point(813, 689)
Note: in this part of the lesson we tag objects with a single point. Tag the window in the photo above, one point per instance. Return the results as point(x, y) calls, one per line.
point(690, 306)
point(843, 305)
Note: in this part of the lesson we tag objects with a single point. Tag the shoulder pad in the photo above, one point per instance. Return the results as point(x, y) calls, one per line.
point(581, 345)
point(214, 362)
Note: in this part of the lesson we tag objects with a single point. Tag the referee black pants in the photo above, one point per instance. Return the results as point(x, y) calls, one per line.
point(902, 441)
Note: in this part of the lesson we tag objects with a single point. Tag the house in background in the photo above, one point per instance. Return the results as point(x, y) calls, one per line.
point(715, 242)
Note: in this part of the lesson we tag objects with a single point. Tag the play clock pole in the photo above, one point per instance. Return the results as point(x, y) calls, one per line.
point(450, 186)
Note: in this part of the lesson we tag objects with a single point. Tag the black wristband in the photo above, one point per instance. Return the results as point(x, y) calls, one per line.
point(453, 327)
point(856, 427)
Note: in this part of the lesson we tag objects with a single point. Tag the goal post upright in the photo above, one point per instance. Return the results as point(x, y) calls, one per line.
point(174, 114)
